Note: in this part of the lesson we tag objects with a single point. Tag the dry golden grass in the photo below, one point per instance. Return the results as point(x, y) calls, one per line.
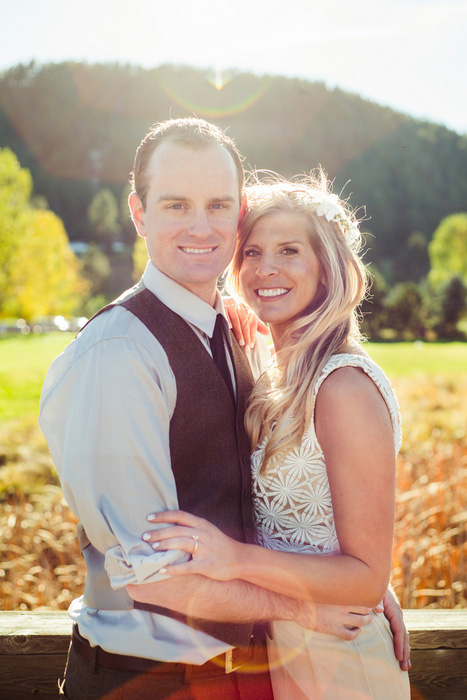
point(40, 563)
point(430, 544)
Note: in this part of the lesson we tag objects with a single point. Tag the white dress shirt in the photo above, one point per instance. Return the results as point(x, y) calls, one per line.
point(106, 406)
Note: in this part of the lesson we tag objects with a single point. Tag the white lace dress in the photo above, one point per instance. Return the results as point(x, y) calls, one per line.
point(293, 513)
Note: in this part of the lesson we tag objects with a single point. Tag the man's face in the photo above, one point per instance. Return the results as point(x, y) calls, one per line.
point(190, 220)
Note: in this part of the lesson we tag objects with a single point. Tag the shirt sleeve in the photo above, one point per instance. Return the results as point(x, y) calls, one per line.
point(106, 419)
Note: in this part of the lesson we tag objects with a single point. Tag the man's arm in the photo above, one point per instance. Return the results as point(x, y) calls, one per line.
point(105, 412)
point(238, 601)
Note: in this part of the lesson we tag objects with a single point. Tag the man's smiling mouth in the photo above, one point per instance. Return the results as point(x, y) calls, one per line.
point(275, 292)
point(197, 251)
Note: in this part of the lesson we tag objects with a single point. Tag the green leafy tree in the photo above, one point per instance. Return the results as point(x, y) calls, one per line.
point(45, 279)
point(140, 257)
point(373, 310)
point(103, 218)
point(96, 269)
point(406, 310)
point(448, 250)
point(40, 275)
point(451, 307)
point(128, 231)
point(15, 191)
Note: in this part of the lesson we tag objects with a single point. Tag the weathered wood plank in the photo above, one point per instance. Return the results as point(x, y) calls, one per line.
point(33, 647)
point(433, 629)
point(41, 632)
point(30, 676)
point(439, 674)
point(34, 632)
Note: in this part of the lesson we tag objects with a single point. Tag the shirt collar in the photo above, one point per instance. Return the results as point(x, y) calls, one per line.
point(183, 302)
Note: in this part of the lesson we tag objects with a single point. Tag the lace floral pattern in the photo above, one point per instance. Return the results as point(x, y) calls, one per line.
point(292, 504)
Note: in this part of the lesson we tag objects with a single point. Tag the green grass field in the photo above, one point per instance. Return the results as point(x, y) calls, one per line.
point(24, 361)
point(410, 359)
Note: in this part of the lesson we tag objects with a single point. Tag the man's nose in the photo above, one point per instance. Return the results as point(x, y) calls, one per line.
point(199, 225)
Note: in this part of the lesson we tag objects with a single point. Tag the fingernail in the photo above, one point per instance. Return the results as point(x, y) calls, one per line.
point(155, 545)
point(146, 536)
point(151, 516)
point(241, 343)
point(162, 571)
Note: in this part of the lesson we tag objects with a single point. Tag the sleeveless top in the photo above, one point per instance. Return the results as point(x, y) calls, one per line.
point(292, 507)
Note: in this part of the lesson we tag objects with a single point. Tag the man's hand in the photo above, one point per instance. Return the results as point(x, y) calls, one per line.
point(393, 612)
point(344, 621)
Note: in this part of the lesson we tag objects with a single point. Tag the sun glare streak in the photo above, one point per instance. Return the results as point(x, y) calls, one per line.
point(219, 79)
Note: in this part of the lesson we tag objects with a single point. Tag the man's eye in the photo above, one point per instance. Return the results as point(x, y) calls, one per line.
point(176, 205)
point(218, 205)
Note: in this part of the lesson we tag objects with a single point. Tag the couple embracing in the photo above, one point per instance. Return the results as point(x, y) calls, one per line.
point(236, 510)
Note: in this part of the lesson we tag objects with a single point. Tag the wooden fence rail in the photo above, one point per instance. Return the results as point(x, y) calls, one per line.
point(33, 648)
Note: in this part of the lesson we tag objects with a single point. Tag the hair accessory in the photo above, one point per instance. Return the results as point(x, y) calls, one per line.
point(328, 205)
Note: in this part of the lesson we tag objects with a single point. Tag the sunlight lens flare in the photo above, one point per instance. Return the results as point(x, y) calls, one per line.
point(214, 110)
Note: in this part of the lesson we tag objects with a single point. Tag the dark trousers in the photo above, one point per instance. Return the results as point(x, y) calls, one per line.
point(83, 682)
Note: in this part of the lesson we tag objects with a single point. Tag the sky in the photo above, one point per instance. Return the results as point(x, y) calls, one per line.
point(410, 55)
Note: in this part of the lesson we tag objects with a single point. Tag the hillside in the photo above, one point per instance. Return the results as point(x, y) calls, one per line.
point(76, 127)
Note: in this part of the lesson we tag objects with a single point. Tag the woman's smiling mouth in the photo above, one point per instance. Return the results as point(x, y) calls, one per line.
point(272, 292)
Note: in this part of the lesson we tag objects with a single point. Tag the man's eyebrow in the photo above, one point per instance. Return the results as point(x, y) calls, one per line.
point(181, 198)
point(172, 197)
point(227, 198)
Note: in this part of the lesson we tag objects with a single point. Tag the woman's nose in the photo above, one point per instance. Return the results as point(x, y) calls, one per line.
point(266, 267)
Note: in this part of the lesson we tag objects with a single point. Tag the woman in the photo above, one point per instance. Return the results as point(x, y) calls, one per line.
point(325, 428)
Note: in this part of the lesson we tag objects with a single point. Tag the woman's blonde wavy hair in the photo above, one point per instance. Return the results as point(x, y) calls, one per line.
point(281, 405)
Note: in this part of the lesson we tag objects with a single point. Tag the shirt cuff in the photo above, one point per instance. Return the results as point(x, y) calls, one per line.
point(139, 565)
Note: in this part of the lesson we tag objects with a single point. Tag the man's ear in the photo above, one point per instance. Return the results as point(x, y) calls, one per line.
point(137, 213)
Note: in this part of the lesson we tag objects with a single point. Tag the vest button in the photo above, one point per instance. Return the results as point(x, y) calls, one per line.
point(240, 426)
point(246, 495)
point(245, 460)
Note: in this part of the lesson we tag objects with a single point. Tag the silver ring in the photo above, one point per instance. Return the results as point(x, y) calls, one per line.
point(195, 537)
point(196, 546)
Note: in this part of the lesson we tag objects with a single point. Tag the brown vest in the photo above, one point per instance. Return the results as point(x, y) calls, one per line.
point(209, 449)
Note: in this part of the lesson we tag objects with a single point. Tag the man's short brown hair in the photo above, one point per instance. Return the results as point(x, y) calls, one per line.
point(191, 132)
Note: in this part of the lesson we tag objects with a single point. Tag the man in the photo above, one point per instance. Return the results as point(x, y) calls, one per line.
point(139, 419)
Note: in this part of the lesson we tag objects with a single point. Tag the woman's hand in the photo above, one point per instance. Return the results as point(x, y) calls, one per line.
point(393, 612)
point(245, 324)
point(213, 554)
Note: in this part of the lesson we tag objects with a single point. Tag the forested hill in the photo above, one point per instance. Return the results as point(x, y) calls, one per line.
point(77, 126)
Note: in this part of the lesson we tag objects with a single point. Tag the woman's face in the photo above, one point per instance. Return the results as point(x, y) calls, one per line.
point(280, 272)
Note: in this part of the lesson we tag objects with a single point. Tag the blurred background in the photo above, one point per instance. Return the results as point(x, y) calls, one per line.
point(373, 92)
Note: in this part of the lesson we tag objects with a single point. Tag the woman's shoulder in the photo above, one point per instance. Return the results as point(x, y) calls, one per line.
point(350, 379)
point(352, 366)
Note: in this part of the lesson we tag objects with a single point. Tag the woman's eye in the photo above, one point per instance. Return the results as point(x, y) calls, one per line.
point(250, 253)
point(290, 250)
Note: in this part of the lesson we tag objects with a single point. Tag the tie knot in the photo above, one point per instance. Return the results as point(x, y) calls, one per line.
point(218, 327)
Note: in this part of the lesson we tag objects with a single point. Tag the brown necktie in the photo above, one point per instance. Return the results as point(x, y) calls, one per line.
point(218, 354)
